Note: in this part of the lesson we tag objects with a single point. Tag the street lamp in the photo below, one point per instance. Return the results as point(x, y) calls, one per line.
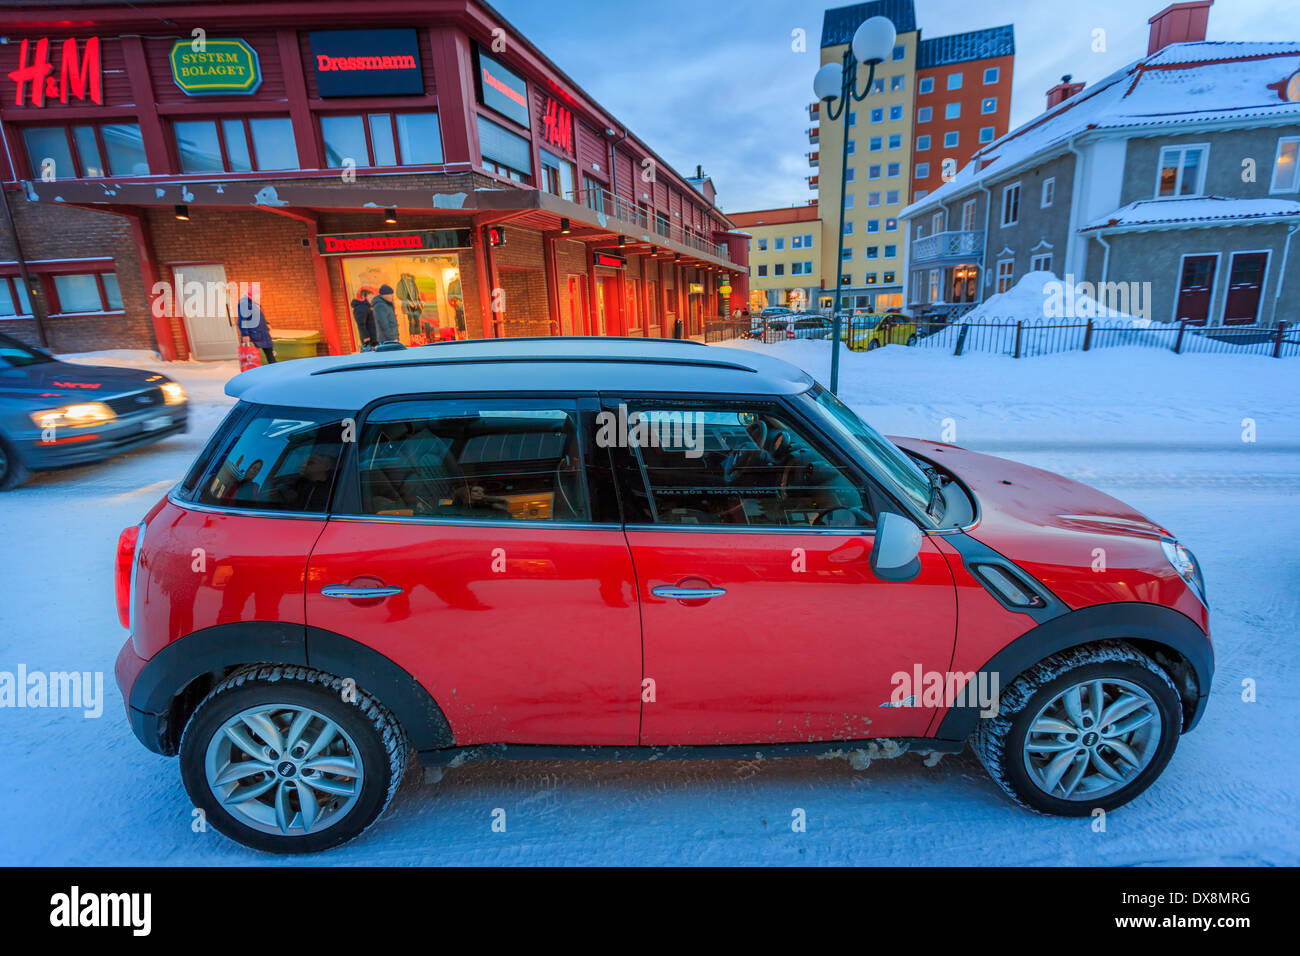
point(872, 43)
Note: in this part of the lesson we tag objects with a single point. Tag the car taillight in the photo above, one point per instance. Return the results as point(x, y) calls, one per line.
point(127, 543)
point(789, 333)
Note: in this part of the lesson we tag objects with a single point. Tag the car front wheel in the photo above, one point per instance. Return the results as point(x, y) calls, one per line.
point(1089, 728)
point(12, 472)
point(291, 760)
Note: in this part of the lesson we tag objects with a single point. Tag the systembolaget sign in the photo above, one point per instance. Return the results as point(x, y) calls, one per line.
point(79, 75)
point(412, 240)
point(219, 66)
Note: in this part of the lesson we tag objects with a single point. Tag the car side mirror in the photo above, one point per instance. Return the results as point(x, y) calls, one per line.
point(896, 553)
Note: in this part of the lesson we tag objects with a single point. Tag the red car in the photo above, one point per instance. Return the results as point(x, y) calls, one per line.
point(619, 549)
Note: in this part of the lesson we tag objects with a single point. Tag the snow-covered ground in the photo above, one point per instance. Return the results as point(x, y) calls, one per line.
point(1162, 431)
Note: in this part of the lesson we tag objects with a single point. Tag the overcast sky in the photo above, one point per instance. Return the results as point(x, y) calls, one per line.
point(716, 82)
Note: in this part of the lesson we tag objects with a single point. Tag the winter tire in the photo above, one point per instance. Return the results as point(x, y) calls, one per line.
point(1089, 728)
point(12, 472)
point(290, 760)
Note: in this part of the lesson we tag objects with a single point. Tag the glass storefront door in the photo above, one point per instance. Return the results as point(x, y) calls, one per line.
point(427, 295)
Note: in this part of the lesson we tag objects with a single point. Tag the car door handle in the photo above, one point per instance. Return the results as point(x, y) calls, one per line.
point(687, 594)
point(351, 593)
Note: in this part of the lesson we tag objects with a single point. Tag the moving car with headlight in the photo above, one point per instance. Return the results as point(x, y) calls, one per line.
point(54, 414)
point(624, 549)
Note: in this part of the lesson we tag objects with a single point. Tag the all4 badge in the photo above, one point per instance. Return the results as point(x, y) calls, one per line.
point(905, 702)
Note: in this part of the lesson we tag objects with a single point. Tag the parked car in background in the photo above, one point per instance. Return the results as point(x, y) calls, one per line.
point(54, 414)
point(863, 333)
point(459, 552)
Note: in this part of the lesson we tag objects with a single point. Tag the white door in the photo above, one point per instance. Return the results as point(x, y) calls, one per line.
point(208, 312)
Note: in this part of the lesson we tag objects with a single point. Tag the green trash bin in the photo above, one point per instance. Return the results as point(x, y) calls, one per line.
point(294, 344)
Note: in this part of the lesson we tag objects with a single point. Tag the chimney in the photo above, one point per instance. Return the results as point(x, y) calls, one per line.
point(1062, 91)
point(1178, 23)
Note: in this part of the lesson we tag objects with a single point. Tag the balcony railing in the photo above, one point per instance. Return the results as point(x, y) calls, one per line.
point(945, 244)
point(813, 158)
point(813, 134)
point(635, 215)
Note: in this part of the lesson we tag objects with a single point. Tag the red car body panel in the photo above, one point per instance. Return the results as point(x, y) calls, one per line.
point(802, 646)
point(199, 569)
point(522, 635)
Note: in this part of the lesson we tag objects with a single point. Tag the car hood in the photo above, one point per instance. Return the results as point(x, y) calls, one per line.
point(46, 381)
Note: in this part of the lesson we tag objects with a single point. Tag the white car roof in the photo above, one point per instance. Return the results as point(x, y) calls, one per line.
point(483, 366)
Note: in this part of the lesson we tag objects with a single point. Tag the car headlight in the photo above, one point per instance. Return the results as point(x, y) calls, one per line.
point(1185, 563)
point(83, 413)
point(173, 394)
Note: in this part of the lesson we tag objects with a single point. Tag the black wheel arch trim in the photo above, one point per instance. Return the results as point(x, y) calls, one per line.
point(1151, 628)
point(216, 650)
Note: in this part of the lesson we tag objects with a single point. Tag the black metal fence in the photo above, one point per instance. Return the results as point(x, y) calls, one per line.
point(1017, 339)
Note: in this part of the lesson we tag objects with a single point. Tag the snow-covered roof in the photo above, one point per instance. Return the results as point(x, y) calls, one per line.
point(1184, 83)
point(1182, 213)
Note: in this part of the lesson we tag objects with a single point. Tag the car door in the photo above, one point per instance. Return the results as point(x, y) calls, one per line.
point(467, 546)
point(762, 621)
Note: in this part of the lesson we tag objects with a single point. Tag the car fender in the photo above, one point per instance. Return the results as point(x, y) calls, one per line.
point(159, 702)
point(1158, 631)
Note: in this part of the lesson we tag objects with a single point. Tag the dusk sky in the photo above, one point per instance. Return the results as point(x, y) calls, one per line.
point(717, 83)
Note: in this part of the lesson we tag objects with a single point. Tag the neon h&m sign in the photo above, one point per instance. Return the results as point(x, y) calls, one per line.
point(557, 125)
point(79, 76)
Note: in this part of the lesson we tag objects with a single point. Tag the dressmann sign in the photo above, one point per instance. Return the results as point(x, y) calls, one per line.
point(366, 62)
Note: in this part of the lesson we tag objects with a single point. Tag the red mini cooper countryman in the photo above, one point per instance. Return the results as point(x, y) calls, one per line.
point(622, 549)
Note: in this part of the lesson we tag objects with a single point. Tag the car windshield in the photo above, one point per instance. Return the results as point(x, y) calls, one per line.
point(15, 355)
point(887, 456)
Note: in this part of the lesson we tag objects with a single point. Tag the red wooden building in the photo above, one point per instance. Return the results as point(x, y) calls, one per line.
point(155, 151)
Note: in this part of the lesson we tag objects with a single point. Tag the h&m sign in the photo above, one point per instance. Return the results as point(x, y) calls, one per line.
point(79, 76)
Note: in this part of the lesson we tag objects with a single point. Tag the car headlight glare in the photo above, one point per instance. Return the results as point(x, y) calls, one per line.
point(1185, 563)
point(81, 414)
point(173, 394)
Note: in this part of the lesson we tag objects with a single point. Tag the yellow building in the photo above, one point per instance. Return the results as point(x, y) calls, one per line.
point(785, 256)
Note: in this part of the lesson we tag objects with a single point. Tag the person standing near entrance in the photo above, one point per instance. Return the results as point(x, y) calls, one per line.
point(363, 314)
point(385, 315)
point(253, 326)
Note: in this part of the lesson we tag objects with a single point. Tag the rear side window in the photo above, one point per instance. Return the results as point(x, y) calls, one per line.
point(484, 461)
point(747, 465)
point(280, 459)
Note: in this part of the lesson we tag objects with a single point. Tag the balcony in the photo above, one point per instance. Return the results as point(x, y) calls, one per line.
point(967, 244)
point(814, 110)
point(813, 133)
point(812, 182)
point(812, 158)
point(604, 201)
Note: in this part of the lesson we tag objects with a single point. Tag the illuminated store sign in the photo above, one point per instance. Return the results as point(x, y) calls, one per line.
point(366, 62)
point(502, 89)
point(557, 125)
point(413, 241)
point(81, 77)
point(222, 66)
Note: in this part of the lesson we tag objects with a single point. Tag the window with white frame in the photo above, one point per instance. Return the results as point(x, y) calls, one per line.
point(1006, 271)
point(762, 245)
point(1286, 166)
point(1182, 170)
point(954, 81)
point(778, 244)
point(891, 252)
point(873, 225)
point(950, 139)
point(1042, 262)
point(986, 134)
point(989, 104)
point(891, 225)
point(873, 252)
point(935, 276)
point(922, 143)
point(848, 227)
point(896, 112)
point(896, 141)
point(952, 111)
point(873, 172)
point(895, 84)
point(922, 170)
point(1049, 192)
point(878, 115)
point(876, 144)
point(873, 199)
point(846, 255)
point(891, 197)
point(937, 223)
point(926, 85)
point(851, 147)
point(1011, 204)
point(924, 114)
point(899, 53)
point(916, 286)
point(968, 215)
point(762, 272)
point(892, 169)
point(990, 75)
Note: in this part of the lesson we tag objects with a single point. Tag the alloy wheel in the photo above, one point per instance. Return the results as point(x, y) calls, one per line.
point(1092, 739)
point(284, 769)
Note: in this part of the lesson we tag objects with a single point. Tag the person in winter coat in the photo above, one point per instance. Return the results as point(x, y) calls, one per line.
point(385, 315)
point(364, 316)
point(253, 326)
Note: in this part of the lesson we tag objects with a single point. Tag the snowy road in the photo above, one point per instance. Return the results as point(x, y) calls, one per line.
point(1162, 432)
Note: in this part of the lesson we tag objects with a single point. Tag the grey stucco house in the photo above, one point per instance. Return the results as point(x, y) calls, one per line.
point(1179, 173)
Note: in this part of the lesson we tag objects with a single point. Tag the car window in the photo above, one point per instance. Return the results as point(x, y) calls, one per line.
point(15, 354)
point(283, 459)
point(472, 461)
point(740, 464)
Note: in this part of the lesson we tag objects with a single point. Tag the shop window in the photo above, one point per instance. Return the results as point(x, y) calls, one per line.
point(13, 298)
point(85, 292)
point(503, 152)
point(235, 145)
point(382, 139)
point(428, 300)
point(557, 175)
point(86, 151)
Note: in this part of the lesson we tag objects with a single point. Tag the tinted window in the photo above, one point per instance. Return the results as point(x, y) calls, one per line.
point(283, 459)
point(14, 354)
point(473, 460)
point(740, 465)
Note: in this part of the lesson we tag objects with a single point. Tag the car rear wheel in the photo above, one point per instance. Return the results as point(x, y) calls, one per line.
point(872, 345)
point(12, 472)
point(290, 760)
point(1089, 728)
point(911, 339)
